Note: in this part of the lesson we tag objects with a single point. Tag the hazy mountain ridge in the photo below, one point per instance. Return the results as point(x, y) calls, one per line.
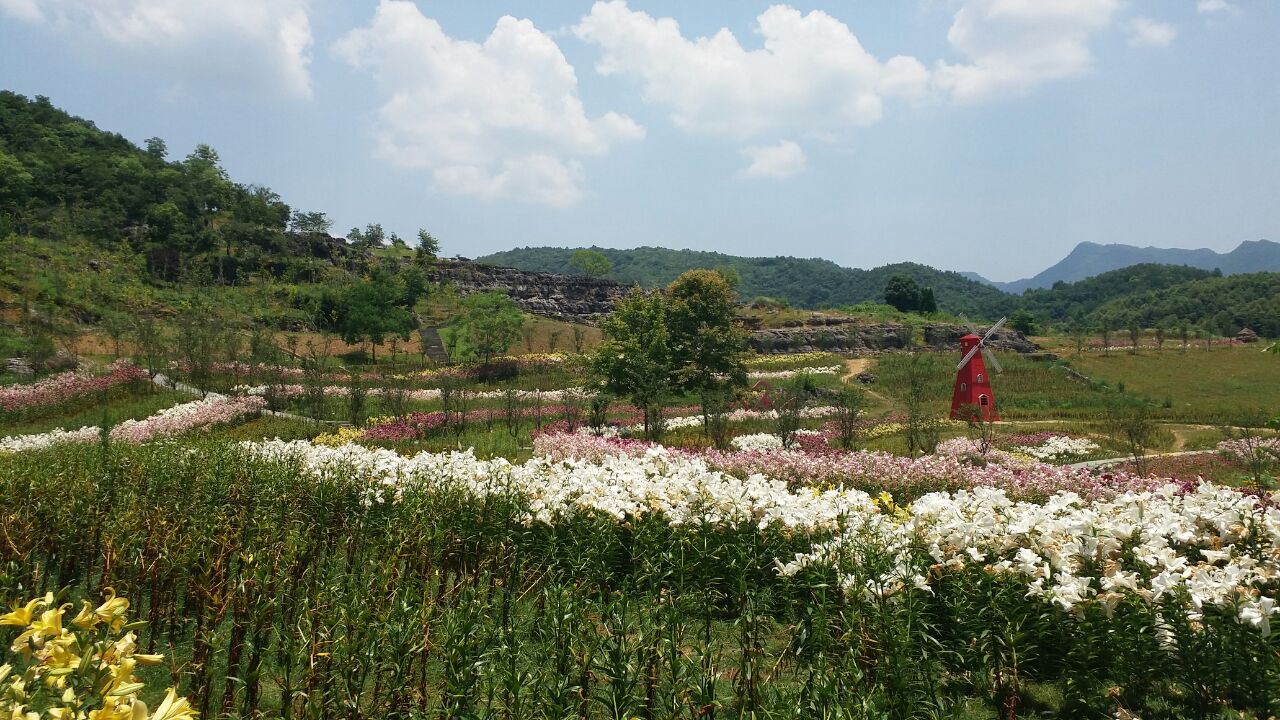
point(1089, 259)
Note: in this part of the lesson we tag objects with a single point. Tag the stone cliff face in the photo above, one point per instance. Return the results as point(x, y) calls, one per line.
point(572, 298)
point(853, 336)
point(575, 298)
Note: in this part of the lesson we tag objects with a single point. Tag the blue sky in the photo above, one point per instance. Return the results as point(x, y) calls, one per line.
point(985, 135)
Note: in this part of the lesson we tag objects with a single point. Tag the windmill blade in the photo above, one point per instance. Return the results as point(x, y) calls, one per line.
point(972, 351)
point(969, 325)
point(991, 360)
point(993, 330)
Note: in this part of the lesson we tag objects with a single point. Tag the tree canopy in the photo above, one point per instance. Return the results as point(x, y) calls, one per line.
point(487, 326)
point(907, 295)
point(685, 340)
point(591, 263)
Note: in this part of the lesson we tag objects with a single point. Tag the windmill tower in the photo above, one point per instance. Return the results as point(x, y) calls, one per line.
point(973, 383)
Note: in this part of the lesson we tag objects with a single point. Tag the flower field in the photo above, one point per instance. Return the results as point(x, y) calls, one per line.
point(213, 410)
point(66, 387)
point(310, 581)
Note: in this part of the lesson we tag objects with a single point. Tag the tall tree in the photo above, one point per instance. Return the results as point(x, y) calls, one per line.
point(708, 344)
point(370, 310)
point(488, 325)
point(310, 222)
point(591, 263)
point(635, 360)
point(903, 293)
point(428, 247)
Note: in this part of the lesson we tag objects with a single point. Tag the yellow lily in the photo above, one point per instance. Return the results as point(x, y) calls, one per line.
point(21, 616)
point(112, 712)
point(49, 625)
point(86, 619)
point(61, 652)
point(121, 675)
point(174, 708)
point(113, 610)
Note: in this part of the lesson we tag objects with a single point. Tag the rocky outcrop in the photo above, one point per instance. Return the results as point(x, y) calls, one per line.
point(573, 298)
point(853, 336)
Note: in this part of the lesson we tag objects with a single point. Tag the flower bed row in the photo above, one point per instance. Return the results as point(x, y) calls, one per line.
point(779, 362)
point(65, 387)
point(870, 471)
point(420, 394)
point(213, 410)
point(785, 374)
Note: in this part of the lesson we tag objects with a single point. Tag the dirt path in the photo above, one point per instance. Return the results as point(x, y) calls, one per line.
point(853, 366)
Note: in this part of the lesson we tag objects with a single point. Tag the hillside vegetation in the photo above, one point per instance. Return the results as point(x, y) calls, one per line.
point(1068, 300)
point(98, 232)
point(1148, 294)
point(809, 283)
point(1220, 304)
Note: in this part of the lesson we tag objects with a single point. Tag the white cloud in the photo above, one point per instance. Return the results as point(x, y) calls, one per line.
point(1208, 7)
point(773, 161)
point(1145, 32)
point(259, 45)
point(24, 10)
point(500, 118)
point(811, 76)
point(1014, 45)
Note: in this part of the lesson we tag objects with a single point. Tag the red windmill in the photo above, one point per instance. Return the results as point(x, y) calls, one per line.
point(973, 383)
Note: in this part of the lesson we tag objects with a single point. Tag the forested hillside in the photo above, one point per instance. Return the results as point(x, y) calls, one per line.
point(1069, 300)
point(95, 230)
point(61, 178)
point(801, 282)
point(1221, 305)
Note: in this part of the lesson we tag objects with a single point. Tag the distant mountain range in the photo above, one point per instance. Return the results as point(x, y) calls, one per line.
point(1089, 259)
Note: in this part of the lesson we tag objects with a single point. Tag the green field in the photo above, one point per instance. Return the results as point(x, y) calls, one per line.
point(1227, 384)
point(1201, 385)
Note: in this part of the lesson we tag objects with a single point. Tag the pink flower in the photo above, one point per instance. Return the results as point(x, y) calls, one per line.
point(64, 387)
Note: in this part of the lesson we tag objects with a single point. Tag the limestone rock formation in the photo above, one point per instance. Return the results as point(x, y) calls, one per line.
point(573, 298)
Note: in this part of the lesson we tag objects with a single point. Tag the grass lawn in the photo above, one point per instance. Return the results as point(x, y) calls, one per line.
point(1027, 389)
point(1227, 384)
point(1223, 384)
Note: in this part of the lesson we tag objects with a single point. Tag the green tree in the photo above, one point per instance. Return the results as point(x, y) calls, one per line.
point(928, 303)
point(156, 148)
point(1023, 321)
point(428, 247)
point(15, 182)
point(369, 311)
point(731, 276)
point(903, 293)
point(591, 263)
point(635, 359)
point(310, 222)
point(708, 344)
point(371, 237)
point(488, 325)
